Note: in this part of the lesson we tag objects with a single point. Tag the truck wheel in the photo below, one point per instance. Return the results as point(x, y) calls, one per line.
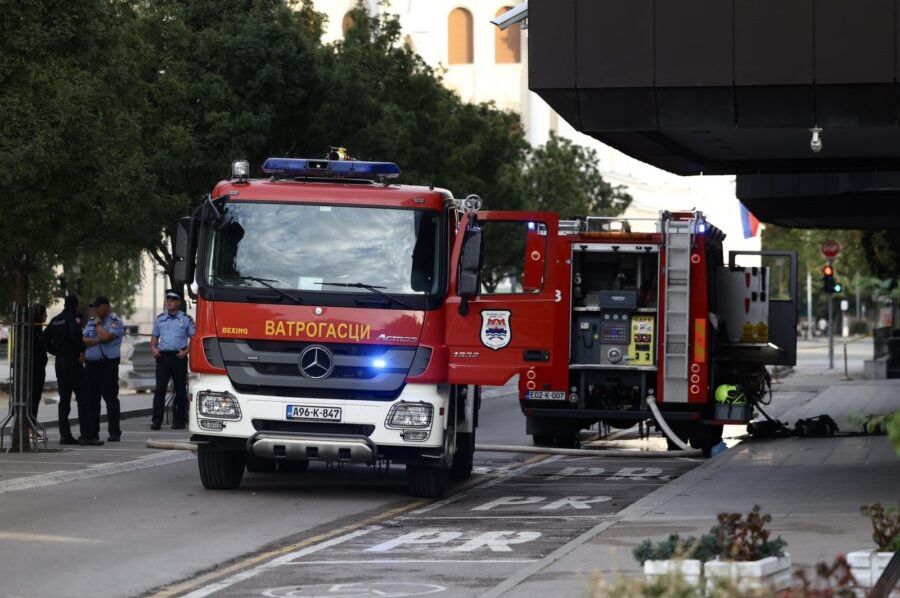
point(427, 482)
point(464, 457)
point(543, 440)
point(293, 466)
point(257, 465)
point(220, 469)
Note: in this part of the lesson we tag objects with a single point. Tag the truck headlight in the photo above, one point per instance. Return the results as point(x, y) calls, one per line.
point(410, 415)
point(221, 405)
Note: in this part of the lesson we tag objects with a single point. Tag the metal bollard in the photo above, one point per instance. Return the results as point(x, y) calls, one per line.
point(846, 373)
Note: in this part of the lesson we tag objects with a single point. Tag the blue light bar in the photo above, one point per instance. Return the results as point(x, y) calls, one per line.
point(347, 169)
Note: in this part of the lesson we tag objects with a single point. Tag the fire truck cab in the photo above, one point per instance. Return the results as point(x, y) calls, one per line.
point(321, 294)
point(621, 321)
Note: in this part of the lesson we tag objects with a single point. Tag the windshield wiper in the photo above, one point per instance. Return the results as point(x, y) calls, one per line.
point(266, 283)
point(368, 287)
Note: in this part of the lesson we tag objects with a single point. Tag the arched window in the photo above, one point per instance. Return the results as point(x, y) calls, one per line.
point(459, 29)
point(347, 23)
point(507, 43)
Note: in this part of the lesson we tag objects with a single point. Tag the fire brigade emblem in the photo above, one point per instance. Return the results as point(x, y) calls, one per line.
point(496, 331)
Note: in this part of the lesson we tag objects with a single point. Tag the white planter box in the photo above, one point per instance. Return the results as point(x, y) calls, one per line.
point(691, 569)
point(868, 565)
point(770, 571)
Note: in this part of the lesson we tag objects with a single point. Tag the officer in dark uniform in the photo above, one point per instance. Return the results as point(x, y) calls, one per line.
point(171, 339)
point(63, 339)
point(103, 342)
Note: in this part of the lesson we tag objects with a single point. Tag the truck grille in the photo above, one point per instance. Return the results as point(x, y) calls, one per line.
point(272, 368)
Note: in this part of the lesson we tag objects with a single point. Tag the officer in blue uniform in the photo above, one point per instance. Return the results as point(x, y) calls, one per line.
point(103, 342)
point(171, 339)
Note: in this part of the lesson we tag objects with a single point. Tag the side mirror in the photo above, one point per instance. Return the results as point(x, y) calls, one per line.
point(470, 261)
point(184, 250)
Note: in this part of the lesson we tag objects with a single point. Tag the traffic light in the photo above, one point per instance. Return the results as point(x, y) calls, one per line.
point(829, 284)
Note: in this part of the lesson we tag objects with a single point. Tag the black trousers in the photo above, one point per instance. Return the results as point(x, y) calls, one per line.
point(69, 379)
point(170, 367)
point(38, 377)
point(103, 381)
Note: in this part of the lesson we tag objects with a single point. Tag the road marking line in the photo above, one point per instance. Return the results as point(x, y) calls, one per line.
point(488, 483)
point(254, 561)
point(281, 560)
point(25, 537)
point(94, 471)
point(198, 582)
point(426, 561)
point(464, 517)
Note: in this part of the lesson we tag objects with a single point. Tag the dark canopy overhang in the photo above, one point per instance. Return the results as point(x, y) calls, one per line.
point(725, 86)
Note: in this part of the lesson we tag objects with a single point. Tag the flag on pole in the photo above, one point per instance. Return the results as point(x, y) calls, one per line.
point(749, 222)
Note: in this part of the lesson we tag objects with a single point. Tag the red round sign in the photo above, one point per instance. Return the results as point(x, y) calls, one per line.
point(831, 249)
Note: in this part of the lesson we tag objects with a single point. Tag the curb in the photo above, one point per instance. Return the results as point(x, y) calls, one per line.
point(94, 471)
point(103, 417)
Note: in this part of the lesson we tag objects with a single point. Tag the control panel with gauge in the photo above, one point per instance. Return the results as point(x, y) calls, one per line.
point(614, 333)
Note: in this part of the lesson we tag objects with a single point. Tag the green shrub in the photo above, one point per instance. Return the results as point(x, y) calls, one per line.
point(733, 538)
point(859, 327)
point(893, 427)
point(885, 526)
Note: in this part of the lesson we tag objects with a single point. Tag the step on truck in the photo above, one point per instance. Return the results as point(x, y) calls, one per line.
point(329, 323)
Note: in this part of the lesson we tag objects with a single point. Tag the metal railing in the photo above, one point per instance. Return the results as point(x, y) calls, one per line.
point(25, 432)
point(880, 337)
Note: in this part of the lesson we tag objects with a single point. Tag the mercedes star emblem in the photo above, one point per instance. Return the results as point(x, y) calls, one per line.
point(316, 362)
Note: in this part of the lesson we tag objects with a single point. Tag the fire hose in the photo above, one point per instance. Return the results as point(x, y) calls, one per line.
point(661, 422)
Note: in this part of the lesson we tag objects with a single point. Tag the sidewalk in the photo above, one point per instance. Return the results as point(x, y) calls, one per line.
point(812, 487)
point(60, 464)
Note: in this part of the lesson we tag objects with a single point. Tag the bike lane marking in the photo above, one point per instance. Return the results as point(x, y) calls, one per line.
point(207, 584)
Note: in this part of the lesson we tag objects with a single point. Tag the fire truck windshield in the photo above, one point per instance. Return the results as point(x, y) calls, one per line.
point(298, 247)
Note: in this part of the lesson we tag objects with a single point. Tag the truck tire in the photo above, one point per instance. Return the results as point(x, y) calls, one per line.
point(464, 457)
point(427, 482)
point(292, 466)
point(257, 465)
point(220, 469)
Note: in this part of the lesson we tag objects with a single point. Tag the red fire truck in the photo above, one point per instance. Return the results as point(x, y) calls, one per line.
point(645, 320)
point(344, 318)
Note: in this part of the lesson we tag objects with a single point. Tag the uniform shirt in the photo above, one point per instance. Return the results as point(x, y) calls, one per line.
point(111, 349)
point(63, 335)
point(173, 331)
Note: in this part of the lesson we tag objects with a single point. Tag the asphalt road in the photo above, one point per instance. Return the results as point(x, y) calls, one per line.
point(156, 531)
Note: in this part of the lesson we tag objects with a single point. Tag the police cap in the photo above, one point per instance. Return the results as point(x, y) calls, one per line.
point(173, 294)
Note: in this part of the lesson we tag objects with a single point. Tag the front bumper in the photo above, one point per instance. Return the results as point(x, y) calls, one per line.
point(261, 413)
point(303, 447)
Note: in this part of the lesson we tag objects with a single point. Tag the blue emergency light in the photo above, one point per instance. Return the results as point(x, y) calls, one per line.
point(347, 169)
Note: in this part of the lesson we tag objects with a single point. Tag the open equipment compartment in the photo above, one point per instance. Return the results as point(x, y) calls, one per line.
point(615, 294)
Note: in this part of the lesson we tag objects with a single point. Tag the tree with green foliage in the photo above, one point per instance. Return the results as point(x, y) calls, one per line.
point(852, 266)
point(558, 176)
point(74, 174)
point(225, 80)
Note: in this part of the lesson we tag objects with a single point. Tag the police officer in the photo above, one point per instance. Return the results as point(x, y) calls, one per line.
point(62, 338)
point(103, 342)
point(171, 339)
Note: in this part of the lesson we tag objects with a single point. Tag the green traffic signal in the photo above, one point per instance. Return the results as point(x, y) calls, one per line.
point(838, 287)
